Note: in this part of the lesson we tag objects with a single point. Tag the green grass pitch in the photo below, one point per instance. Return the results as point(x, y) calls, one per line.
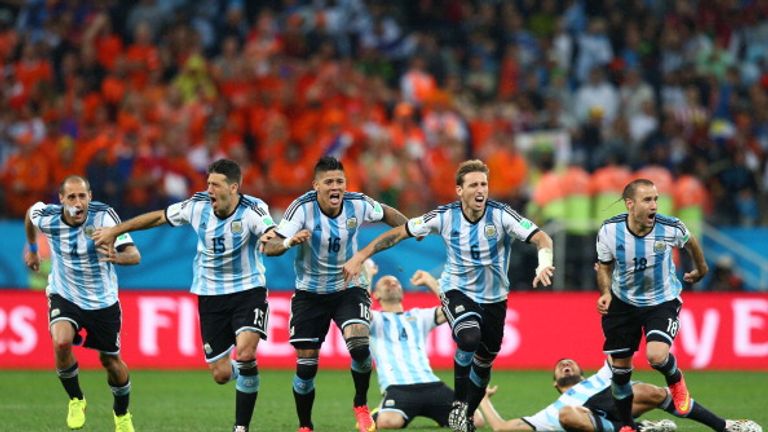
point(166, 401)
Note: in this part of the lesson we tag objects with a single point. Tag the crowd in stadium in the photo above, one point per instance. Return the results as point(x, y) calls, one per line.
point(141, 96)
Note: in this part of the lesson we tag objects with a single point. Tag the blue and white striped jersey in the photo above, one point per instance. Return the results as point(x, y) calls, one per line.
point(477, 253)
point(76, 273)
point(228, 258)
point(398, 346)
point(643, 272)
point(578, 395)
point(319, 261)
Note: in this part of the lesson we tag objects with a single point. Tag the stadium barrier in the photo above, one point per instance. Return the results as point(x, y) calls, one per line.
point(160, 331)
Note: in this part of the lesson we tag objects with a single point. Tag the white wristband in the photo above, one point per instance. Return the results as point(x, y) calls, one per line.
point(545, 259)
point(287, 243)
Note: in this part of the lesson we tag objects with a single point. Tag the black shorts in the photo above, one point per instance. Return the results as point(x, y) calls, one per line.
point(459, 309)
point(102, 325)
point(431, 400)
point(223, 317)
point(311, 314)
point(625, 324)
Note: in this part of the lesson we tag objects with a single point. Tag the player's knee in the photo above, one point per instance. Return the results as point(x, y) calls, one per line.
point(657, 359)
point(569, 418)
point(62, 345)
point(110, 362)
point(359, 350)
point(468, 336)
point(390, 421)
point(221, 375)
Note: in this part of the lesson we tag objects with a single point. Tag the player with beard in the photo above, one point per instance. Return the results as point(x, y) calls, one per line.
point(324, 223)
point(478, 234)
point(228, 276)
point(82, 291)
point(586, 405)
point(640, 293)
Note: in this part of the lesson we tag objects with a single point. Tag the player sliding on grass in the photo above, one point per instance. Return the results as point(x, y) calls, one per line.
point(478, 235)
point(586, 405)
point(324, 223)
point(640, 293)
point(82, 291)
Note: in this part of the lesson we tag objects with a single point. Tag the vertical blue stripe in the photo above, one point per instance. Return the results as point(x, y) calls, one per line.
point(476, 271)
point(253, 258)
point(236, 253)
point(314, 283)
point(622, 264)
point(395, 373)
point(93, 262)
point(349, 213)
point(57, 256)
point(455, 236)
point(77, 266)
point(198, 281)
point(493, 252)
point(658, 269)
point(409, 344)
point(219, 271)
point(333, 256)
point(639, 281)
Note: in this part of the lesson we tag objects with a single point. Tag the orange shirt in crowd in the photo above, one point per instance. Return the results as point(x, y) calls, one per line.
point(26, 180)
point(689, 191)
point(507, 172)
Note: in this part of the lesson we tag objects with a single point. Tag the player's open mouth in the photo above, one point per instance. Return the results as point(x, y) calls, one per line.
point(335, 198)
point(651, 217)
point(479, 199)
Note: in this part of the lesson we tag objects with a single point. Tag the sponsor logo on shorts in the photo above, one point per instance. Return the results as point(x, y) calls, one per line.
point(389, 402)
point(459, 309)
point(55, 313)
point(207, 348)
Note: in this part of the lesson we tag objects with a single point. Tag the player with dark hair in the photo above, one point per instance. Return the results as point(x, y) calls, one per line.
point(478, 234)
point(586, 404)
point(228, 276)
point(82, 291)
point(325, 223)
point(640, 294)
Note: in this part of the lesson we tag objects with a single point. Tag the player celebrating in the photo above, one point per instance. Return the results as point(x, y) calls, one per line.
point(325, 222)
point(228, 276)
point(478, 234)
point(82, 291)
point(585, 404)
point(639, 291)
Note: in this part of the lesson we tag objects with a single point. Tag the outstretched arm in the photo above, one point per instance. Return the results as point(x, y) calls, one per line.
point(124, 255)
point(545, 270)
point(694, 250)
point(276, 244)
point(422, 278)
point(31, 258)
point(604, 271)
point(107, 235)
point(392, 216)
point(495, 421)
point(384, 241)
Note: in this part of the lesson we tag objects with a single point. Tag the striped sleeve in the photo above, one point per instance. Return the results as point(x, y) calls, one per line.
point(110, 219)
point(293, 219)
point(260, 218)
point(424, 224)
point(36, 213)
point(602, 245)
point(515, 225)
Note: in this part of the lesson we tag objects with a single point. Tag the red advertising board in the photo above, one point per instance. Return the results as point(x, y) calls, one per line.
point(160, 330)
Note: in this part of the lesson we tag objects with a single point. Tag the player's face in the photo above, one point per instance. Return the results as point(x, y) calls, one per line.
point(330, 187)
point(223, 195)
point(474, 191)
point(388, 289)
point(642, 208)
point(567, 368)
point(75, 197)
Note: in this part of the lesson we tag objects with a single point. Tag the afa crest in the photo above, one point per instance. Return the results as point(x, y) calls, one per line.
point(490, 231)
point(237, 226)
point(659, 247)
point(351, 223)
point(89, 230)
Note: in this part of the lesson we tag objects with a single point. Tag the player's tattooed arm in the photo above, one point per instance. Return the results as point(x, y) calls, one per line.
point(384, 241)
point(393, 217)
